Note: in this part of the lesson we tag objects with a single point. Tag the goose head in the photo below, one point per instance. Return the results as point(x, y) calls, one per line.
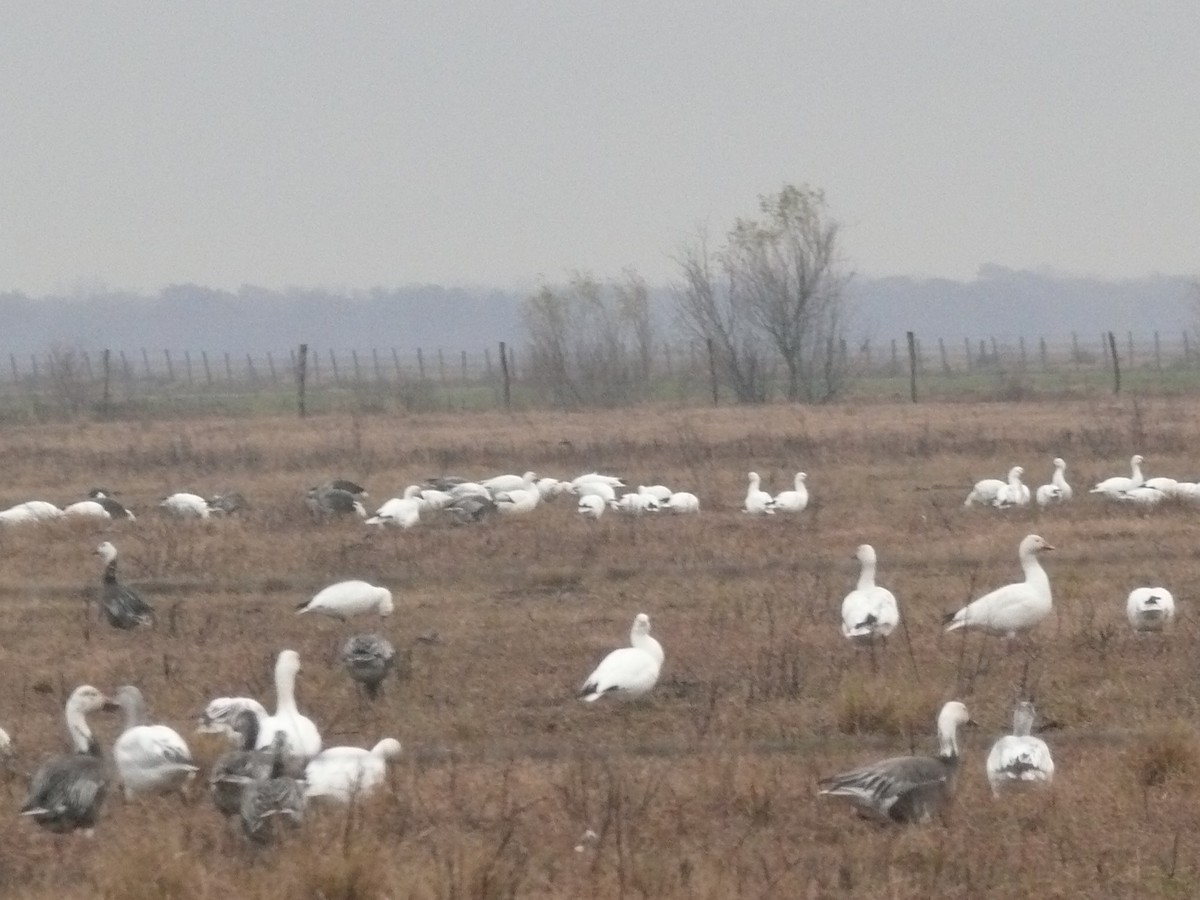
point(388, 748)
point(1059, 462)
point(287, 667)
point(865, 554)
point(641, 625)
point(386, 607)
point(952, 716)
point(1023, 716)
point(106, 552)
point(87, 699)
point(132, 703)
point(1033, 544)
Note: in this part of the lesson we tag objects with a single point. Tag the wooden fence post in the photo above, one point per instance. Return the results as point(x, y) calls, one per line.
point(421, 363)
point(170, 367)
point(942, 354)
point(912, 365)
point(104, 397)
point(207, 370)
point(333, 364)
point(504, 375)
point(1112, 344)
point(712, 370)
point(1044, 355)
point(967, 348)
point(1157, 352)
point(301, 375)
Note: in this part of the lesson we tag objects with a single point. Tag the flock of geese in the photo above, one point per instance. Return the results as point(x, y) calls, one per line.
point(277, 761)
point(1133, 488)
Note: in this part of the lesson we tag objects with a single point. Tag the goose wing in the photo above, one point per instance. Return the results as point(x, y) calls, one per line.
point(903, 788)
point(628, 670)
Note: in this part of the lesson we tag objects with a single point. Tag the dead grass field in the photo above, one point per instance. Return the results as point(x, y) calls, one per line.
point(705, 790)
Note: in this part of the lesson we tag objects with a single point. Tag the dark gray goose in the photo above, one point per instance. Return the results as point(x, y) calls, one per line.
point(66, 792)
point(113, 507)
point(276, 796)
point(368, 658)
point(228, 504)
point(906, 788)
point(325, 502)
point(122, 607)
point(235, 769)
point(471, 508)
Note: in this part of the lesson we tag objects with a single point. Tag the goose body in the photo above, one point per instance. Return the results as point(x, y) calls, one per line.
point(630, 671)
point(228, 504)
point(346, 774)
point(636, 504)
point(906, 788)
point(277, 797)
point(1057, 491)
point(150, 759)
point(30, 511)
point(591, 506)
point(1141, 496)
point(1118, 484)
point(367, 659)
point(401, 512)
point(185, 505)
point(67, 792)
point(300, 735)
point(113, 507)
point(349, 598)
point(985, 492)
point(795, 500)
point(601, 489)
point(1150, 608)
point(596, 478)
point(869, 611)
point(517, 502)
point(1161, 483)
point(503, 483)
point(221, 713)
point(1015, 607)
point(122, 607)
point(682, 503)
point(1019, 760)
point(87, 509)
point(659, 492)
point(470, 508)
point(1014, 492)
point(326, 502)
point(758, 502)
point(234, 769)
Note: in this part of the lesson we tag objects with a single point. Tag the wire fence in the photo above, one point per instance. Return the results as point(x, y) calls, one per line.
point(73, 382)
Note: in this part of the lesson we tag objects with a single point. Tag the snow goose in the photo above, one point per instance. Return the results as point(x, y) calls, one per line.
point(6, 747)
point(1150, 608)
point(276, 796)
point(795, 500)
point(1113, 487)
point(228, 504)
point(659, 492)
point(122, 606)
point(30, 511)
point(66, 792)
point(758, 501)
point(87, 509)
point(221, 713)
point(1014, 492)
point(683, 503)
point(185, 505)
point(349, 598)
point(346, 774)
point(1057, 491)
point(596, 478)
point(367, 659)
point(550, 488)
point(326, 502)
point(985, 492)
point(630, 671)
point(603, 490)
point(113, 507)
point(150, 759)
point(234, 769)
point(635, 504)
point(471, 508)
point(906, 788)
point(591, 506)
point(1019, 760)
point(502, 483)
point(869, 611)
point(435, 499)
point(401, 512)
point(1014, 607)
point(517, 502)
point(345, 484)
point(1142, 496)
point(300, 735)
point(1159, 483)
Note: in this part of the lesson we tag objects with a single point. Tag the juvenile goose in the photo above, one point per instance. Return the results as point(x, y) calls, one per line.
point(1150, 608)
point(221, 713)
point(300, 735)
point(228, 504)
point(795, 500)
point(349, 598)
point(1057, 491)
point(150, 759)
point(470, 508)
point(758, 501)
point(906, 788)
point(630, 671)
point(1019, 760)
point(1015, 607)
point(234, 769)
point(326, 502)
point(346, 774)
point(1115, 486)
point(368, 658)
point(277, 796)
point(123, 607)
point(67, 792)
point(869, 611)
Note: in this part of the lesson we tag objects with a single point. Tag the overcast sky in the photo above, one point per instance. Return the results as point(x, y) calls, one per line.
point(497, 143)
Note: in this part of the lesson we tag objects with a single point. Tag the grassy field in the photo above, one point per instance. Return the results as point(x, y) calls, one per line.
point(707, 788)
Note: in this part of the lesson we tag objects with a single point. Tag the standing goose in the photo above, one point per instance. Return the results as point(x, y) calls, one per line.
point(869, 611)
point(1119, 484)
point(346, 774)
point(67, 792)
point(1149, 608)
point(795, 500)
point(368, 658)
point(906, 788)
point(1019, 760)
point(630, 671)
point(758, 501)
point(1057, 491)
point(150, 759)
point(1015, 607)
point(276, 796)
point(122, 607)
point(234, 769)
point(1014, 492)
point(300, 735)
point(349, 598)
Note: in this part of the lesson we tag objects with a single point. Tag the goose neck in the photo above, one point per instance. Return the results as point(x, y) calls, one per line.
point(110, 571)
point(285, 692)
point(81, 734)
point(866, 577)
point(948, 742)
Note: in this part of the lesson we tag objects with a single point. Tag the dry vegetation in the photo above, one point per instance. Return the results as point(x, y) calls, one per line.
point(707, 789)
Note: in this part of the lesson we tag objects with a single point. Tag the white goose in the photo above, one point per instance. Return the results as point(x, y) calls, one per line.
point(301, 735)
point(591, 506)
point(906, 788)
point(869, 611)
point(1019, 760)
point(517, 502)
point(795, 500)
point(184, 505)
point(1057, 491)
point(30, 511)
point(659, 492)
point(87, 509)
point(601, 489)
point(758, 501)
point(1150, 608)
point(150, 759)
point(1118, 484)
point(630, 671)
point(683, 503)
point(1015, 607)
point(346, 774)
point(221, 714)
point(400, 512)
point(1014, 492)
point(986, 491)
point(502, 483)
point(349, 598)
point(635, 504)
point(1142, 496)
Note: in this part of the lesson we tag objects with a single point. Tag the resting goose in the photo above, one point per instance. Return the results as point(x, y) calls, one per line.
point(349, 598)
point(503, 483)
point(221, 714)
point(234, 769)
point(1150, 608)
point(906, 788)
point(985, 492)
point(596, 478)
point(150, 759)
point(601, 489)
point(344, 484)
point(300, 735)
point(659, 492)
point(1057, 491)
point(635, 504)
point(1118, 484)
point(30, 511)
point(869, 611)
point(471, 508)
point(795, 500)
point(123, 607)
point(517, 502)
point(326, 502)
point(277, 796)
point(1142, 496)
point(66, 792)
point(1015, 607)
point(185, 505)
point(591, 506)
point(346, 774)
point(758, 501)
point(368, 658)
point(114, 508)
point(228, 504)
point(87, 509)
point(683, 503)
point(6, 747)
point(401, 512)
point(1014, 492)
point(630, 671)
point(1019, 760)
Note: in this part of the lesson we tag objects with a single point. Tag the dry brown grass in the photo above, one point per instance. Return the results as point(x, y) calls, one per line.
point(706, 789)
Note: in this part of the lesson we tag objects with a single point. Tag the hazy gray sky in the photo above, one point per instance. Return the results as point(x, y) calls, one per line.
point(347, 145)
